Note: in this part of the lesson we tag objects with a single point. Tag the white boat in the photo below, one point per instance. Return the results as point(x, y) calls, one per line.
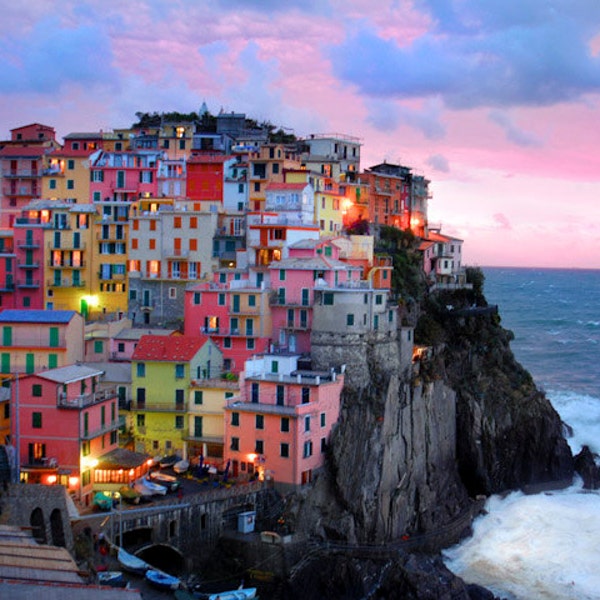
point(169, 481)
point(148, 488)
point(132, 563)
point(162, 580)
point(181, 466)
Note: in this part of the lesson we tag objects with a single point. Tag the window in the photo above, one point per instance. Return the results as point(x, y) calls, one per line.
point(152, 244)
point(98, 346)
point(323, 419)
point(251, 300)
point(280, 395)
point(36, 420)
point(305, 395)
point(36, 390)
point(250, 344)
point(52, 184)
point(177, 222)
point(307, 423)
point(235, 443)
point(141, 420)
point(198, 397)
point(285, 424)
point(197, 298)
point(193, 244)
point(193, 223)
point(307, 449)
point(328, 298)
point(349, 319)
point(52, 361)
point(221, 300)
point(141, 369)
point(254, 393)
point(284, 450)
point(260, 422)
point(323, 445)
point(179, 422)
point(378, 299)
point(235, 419)
point(259, 448)
point(179, 371)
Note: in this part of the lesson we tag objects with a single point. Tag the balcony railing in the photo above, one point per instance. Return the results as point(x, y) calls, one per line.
point(28, 283)
point(28, 245)
point(83, 400)
point(79, 265)
point(64, 283)
point(65, 245)
point(33, 265)
point(21, 172)
point(108, 427)
point(179, 407)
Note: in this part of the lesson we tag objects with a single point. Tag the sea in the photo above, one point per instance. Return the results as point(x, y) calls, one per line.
point(547, 545)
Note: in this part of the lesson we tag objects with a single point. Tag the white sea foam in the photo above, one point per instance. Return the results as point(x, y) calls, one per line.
point(540, 546)
point(582, 413)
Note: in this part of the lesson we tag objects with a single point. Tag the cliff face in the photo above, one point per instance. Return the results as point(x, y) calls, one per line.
point(411, 452)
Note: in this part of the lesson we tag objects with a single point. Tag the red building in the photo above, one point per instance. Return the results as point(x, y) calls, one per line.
point(205, 177)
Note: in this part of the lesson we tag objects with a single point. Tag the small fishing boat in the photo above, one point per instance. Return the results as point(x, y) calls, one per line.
point(169, 481)
point(155, 488)
point(130, 495)
point(147, 488)
point(169, 461)
point(162, 580)
point(181, 466)
point(132, 563)
point(102, 501)
point(112, 579)
point(239, 594)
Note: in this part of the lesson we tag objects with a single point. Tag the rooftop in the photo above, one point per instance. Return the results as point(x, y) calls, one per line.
point(36, 316)
point(70, 374)
point(168, 348)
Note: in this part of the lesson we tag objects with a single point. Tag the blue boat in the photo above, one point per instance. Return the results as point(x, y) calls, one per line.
point(132, 563)
point(102, 501)
point(162, 580)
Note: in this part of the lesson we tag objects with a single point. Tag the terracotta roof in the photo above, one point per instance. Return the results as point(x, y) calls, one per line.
point(121, 458)
point(168, 348)
point(440, 237)
point(26, 151)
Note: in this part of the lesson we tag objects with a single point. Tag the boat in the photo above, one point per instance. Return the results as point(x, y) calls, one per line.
point(162, 580)
point(169, 481)
point(102, 501)
point(132, 563)
point(239, 594)
point(169, 461)
point(147, 488)
point(130, 495)
point(181, 466)
point(112, 579)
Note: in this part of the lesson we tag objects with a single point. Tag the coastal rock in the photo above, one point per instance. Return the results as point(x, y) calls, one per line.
point(406, 577)
point(585, 465)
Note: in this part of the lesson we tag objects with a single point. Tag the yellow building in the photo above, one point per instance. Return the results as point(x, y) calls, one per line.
point(162, 369)
point(208, 398)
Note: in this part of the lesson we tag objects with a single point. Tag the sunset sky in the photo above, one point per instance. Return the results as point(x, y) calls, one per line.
point(495, 101)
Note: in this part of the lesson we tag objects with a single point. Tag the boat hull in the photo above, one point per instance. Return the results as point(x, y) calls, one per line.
point(161, 580)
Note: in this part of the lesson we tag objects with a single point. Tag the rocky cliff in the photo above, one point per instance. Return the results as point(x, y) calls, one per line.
point(417, 444)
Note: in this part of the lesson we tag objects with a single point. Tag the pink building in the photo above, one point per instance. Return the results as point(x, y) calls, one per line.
point(312, 264)
point(234, 312)
point(65, 423)
point(279, 426)
point(7, 269)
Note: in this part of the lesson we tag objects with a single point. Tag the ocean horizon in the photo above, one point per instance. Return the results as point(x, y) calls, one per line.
point(545, 545)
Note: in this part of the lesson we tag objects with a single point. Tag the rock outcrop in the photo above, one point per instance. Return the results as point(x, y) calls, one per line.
point(414, 448)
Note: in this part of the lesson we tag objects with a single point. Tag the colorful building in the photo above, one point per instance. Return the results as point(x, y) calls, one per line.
point(171, 245)
point(277, 429)
point(35, 340)
point(162, 369)
point(332, 155)
point(7, 269)
point(65, 423)
point(22, 163)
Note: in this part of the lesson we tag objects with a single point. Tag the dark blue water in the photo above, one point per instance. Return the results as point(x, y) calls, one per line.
point(555, 316)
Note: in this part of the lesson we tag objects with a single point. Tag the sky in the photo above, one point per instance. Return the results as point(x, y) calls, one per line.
point(496, 102)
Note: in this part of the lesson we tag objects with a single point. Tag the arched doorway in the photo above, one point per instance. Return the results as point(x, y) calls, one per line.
point(38, 527)
point(57, 529)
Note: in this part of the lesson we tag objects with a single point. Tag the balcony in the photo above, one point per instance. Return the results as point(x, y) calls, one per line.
point(8, 173)
point(7, 286)
point(178, 407)
point(176, 253)
point(84, 400)
point(28, 244)
point(110, 237)
point(66, 245)
point(28, 283)
point(65, 283)
point(107, 428)
point(79, 265)
point(33, 265)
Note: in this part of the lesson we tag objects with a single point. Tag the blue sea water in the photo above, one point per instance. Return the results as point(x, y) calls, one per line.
point(545, 545)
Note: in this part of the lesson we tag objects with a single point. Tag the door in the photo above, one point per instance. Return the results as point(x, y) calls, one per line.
point(198, 427)
point(236, 303)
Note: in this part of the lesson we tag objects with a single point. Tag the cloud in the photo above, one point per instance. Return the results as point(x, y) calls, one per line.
point(512, 131)
point(502, 221)
point(51, 56)
point(438, 163)
point(480, 54)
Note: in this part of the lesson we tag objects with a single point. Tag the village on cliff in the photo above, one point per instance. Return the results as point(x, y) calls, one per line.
point(161, 287)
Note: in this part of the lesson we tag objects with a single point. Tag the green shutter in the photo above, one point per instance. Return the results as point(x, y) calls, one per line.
point(5, 362)
point(7, 336)
point(29, 363)
point(52, 361)
point(54, 337)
